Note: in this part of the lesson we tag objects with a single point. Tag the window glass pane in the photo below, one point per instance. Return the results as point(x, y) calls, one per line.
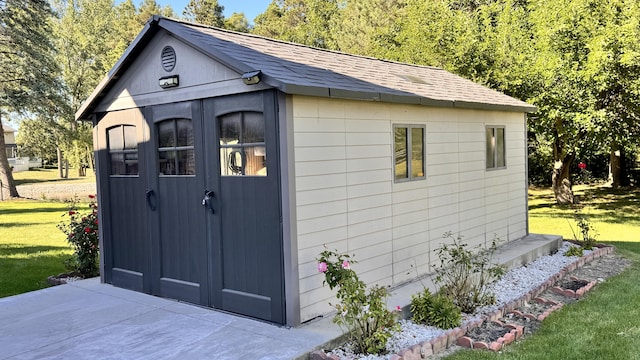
point(167, 162)
point(490, 148)
point(230, 129)
point(186, 162)
point(256, 161)
point(166, 134)
point(130, 163)
point(117, 164)
point(114, 139)
point(400, 153)
point(417, 152)
point(231, 161)
point(130, 141)
point(185, 132)
point(253, 128)
point(500, 147)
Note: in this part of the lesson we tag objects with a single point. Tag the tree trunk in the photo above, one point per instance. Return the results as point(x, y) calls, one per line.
point(560, 181)
point(617, 168)
point(6, 174)
point(59, 155)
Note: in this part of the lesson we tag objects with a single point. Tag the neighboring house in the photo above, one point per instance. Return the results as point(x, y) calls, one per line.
point(226, 162)
point(10, 141)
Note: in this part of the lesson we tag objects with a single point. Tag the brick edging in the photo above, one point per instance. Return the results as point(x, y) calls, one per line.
point(438, 344)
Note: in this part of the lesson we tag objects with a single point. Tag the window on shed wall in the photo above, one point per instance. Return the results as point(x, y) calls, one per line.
point(496, 158)
point(408, 150)
point(176, 155)
point(123, 150)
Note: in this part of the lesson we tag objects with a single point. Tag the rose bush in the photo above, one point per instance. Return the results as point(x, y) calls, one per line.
point(364, 314)
point(81, 229)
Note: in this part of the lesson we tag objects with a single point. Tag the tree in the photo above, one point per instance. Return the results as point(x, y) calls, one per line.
point(39, 138)
point(307, 22)
point(206, 12)
point(368, 27)
point(27, 66)
point(237, 22)
point(613, 70)
point(88, 49)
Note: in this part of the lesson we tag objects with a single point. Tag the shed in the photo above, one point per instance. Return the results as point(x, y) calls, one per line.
point(227, 161)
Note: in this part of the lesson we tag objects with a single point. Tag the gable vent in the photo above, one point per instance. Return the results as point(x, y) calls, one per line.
point(168, 58)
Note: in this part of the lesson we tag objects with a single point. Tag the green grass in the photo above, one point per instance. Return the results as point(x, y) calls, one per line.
point(615, 214)
point(47, 175)
point(603, 325)
point(31, 247)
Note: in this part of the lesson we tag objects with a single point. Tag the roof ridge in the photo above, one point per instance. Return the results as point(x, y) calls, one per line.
point(189, 23)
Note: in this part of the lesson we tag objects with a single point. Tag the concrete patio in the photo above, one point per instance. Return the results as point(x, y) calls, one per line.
point(89, 320)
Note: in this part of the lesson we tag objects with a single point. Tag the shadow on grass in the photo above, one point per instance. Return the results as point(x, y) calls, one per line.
point(61, 208)
point(15, 249)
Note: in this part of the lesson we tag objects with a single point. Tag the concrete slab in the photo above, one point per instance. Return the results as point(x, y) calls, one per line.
point(90, 320)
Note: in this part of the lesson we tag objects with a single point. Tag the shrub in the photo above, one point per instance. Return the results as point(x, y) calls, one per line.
point(574, 251)
point(463, 275)
point(438, 310)
point(81, 229)
point(364, 314)
point(586, 230)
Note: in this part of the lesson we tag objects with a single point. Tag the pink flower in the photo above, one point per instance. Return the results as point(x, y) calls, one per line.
point(346, 265)
point(92, 196)
point(398, 308)
point(322, 266)
point(87, 229)
point(71, 212)
point(95, 221)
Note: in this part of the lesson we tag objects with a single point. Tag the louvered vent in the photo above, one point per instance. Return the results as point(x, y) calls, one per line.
point(168, 58)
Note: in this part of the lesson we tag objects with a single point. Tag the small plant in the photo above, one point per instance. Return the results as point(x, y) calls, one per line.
point(364, 314)
point(435, 310)
point(574, 251)
point(82, 233)
point(586, 230)
point(463, 275)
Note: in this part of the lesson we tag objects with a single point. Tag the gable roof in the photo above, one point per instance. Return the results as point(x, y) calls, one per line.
point(302, 70)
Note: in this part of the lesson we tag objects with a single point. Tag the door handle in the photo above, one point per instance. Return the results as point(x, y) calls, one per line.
point(206, 200)
point(150, 203)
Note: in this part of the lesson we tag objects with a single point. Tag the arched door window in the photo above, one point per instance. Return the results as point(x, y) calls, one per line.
point(176, 155)
point(123, 150)
point(242, 144)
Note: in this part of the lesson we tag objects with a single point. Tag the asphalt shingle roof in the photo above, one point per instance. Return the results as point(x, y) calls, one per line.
point(303, 70)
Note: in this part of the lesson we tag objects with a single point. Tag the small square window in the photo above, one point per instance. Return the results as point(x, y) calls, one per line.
point(496, 157)
point(408, 150)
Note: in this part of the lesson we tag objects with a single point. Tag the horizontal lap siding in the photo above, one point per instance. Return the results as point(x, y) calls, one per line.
point(347, 200)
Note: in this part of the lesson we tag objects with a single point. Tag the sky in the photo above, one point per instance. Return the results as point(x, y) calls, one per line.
point(250, 8)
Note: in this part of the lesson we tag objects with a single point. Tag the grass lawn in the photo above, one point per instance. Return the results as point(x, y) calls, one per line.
point(615, 214)
point(603, 325)
point(31, 247)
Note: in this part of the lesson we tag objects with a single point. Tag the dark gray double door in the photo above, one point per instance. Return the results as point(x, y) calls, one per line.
point(211, 206)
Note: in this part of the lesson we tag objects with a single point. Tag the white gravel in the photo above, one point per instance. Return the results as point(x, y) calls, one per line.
point(511, 286)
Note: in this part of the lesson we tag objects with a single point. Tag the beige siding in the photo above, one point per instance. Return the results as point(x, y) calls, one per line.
point(347, 200)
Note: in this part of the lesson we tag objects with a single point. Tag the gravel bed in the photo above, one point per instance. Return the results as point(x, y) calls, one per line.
point(511, 286)
point(56, 191)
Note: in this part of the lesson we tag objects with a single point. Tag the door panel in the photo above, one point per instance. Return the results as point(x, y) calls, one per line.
point(180, 242)
point(120, 141)
point(241, 143)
